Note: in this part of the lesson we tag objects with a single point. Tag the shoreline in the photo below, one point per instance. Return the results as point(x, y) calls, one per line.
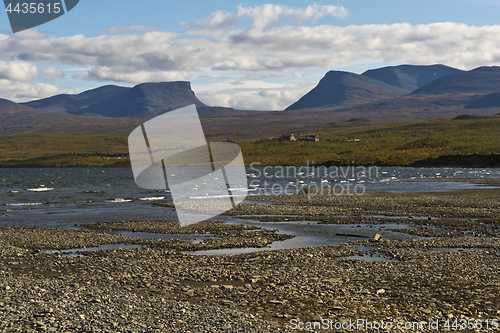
point(473, 160)
point(458, 166)
point(155, 289)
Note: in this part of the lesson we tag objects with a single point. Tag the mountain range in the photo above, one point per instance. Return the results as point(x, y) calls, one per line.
point(145, 100)
point(340, 99)
point(410, 77)
point(343, 88)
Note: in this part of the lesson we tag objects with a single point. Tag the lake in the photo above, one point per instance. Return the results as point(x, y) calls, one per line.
point(65, 197)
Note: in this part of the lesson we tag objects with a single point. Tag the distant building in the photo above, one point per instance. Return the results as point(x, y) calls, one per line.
point(289, 137)
point(312, 138)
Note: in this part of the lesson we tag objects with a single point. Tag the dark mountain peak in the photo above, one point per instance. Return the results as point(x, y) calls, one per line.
point(344, 88)
point(163, 85)
point(486, 69)
point(334, 74)
point(482, 80)
point(410, 77)
point(71, 102)
point(164, 90)
point(9, 106)
point(145, 100)
point(105, 91)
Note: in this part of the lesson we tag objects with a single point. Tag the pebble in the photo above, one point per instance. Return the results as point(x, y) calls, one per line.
point(159, 288)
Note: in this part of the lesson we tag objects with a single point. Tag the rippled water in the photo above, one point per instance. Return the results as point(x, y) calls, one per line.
point(311, 234)
point(63, 197)
point(288, 180)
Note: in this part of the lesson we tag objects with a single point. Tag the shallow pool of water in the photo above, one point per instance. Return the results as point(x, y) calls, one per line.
point(374, 257)
point(401, 217)
point(185, 238)
point(311, 234)
point(78, 252)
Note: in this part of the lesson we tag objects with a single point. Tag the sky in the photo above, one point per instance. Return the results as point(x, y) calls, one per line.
point(251, 55)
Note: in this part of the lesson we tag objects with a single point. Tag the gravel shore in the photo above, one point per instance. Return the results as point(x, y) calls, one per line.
point(158, 288)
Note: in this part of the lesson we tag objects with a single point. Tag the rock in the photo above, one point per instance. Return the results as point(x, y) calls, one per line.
point(376, 238)
point(276, 302)
point(316, 318)
point(336, 308)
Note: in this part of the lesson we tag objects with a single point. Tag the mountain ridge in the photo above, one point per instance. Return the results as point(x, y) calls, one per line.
point(126, 108)
point(482, 80)
point(339, 88)
point(145, 100)
point(410, 77)
point(65, 102)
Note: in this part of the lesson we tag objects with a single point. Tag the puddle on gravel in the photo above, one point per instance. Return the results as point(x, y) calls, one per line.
point(373, 257)
point(402, 217)
point(185, 238)
point(312, 234)
point(78, 252)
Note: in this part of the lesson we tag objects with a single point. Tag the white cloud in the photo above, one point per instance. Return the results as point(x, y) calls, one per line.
point(133, 28)
point(18, 71)
point(108, 74)
point(265, 15)
point(26, 91)
point(251, 95)
point(262, 44)
point(292, 48)
point(52, 73)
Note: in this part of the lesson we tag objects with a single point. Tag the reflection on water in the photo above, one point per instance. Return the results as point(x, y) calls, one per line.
point(63, 197)
point(311, 234)
point(185, 238)
point(78, 252)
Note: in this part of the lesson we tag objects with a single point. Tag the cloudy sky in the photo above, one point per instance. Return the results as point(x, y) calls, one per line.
point(246, 55)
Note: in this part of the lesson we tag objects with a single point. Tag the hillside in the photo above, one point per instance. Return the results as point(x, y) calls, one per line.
point(395, 144)
point(338, 88)
point(485, 101)
point(16, 119)
point(341, 100)
point(68, 102)
point(482, 80)
point(464, 140)
point(145, 100)
point(410, 77)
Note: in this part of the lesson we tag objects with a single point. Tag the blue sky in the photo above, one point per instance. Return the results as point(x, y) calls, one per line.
point(247, 55)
